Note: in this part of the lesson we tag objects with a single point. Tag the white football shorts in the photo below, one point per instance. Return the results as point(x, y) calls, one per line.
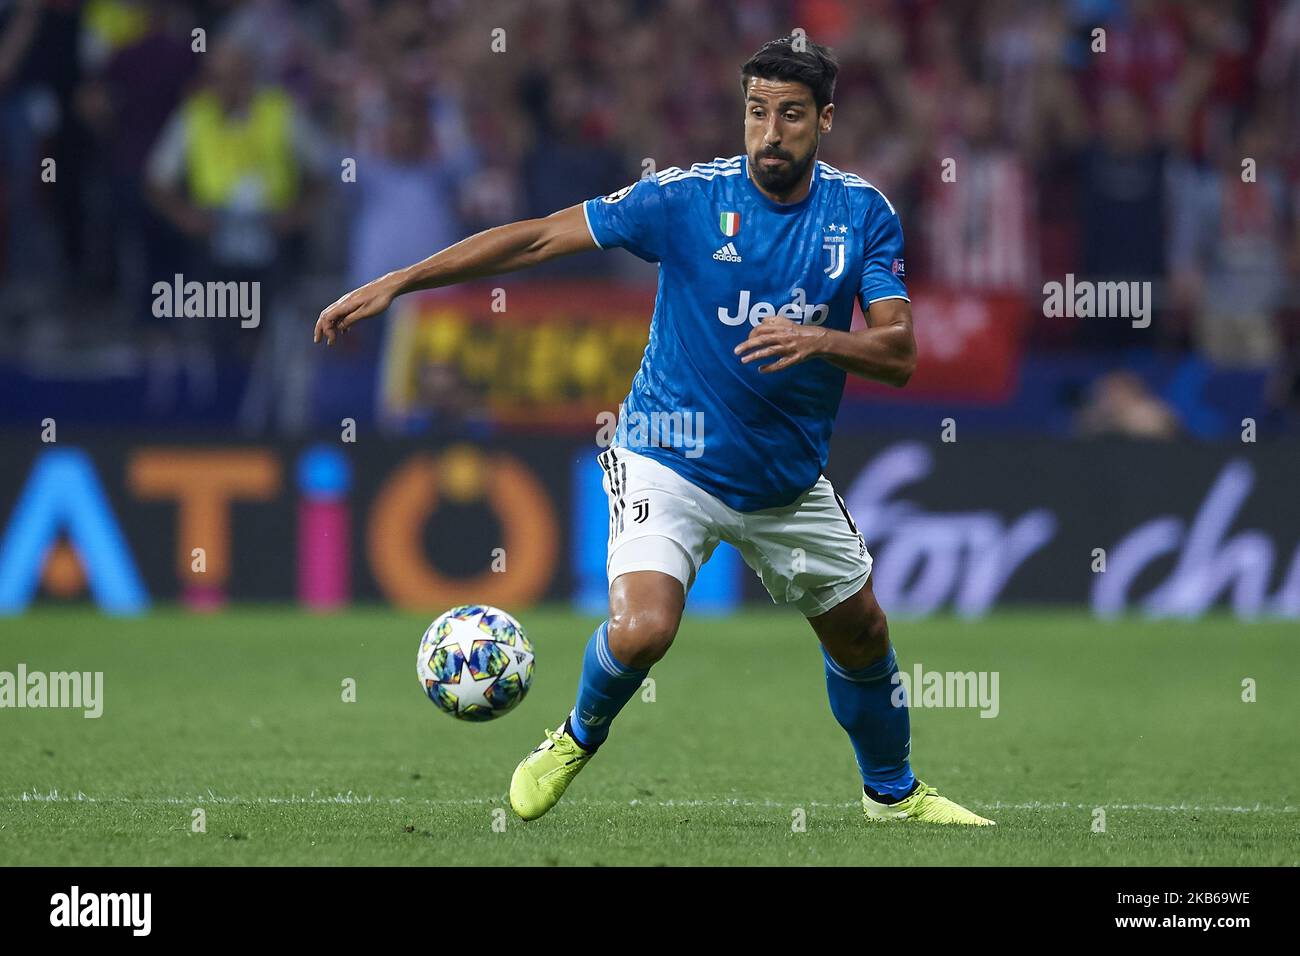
point(808, 553)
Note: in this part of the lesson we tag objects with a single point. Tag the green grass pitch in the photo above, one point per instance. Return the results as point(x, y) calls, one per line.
point(241, 715)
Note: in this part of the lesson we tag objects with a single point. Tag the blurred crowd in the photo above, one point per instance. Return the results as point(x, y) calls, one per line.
point(328, 142)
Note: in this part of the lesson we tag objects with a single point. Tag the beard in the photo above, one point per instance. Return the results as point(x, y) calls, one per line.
point(782, 179)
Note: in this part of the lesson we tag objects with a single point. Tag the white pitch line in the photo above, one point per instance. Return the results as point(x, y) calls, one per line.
point(312, 799)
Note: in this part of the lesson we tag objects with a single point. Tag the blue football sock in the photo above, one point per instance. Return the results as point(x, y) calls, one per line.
point(863, 701)
point(607, 684)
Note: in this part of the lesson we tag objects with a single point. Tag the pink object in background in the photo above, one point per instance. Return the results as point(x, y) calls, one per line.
point(204, 598)
point(324, 552)
point(324, 530)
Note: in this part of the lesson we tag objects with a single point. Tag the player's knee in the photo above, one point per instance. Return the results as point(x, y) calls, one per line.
point(642, 637)
point(875, 636)
point(863, 644)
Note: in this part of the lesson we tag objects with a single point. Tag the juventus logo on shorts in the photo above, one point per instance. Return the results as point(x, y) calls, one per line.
point(640, 510)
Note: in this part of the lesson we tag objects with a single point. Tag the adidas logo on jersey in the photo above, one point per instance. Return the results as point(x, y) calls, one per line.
point(728, 253)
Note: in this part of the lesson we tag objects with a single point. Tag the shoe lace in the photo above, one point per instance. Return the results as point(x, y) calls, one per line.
point(927, 791)
point(558, 741)
point(577, 756)
point(916, 800)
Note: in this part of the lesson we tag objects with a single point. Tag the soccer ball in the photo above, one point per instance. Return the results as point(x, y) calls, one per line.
point(475, 662)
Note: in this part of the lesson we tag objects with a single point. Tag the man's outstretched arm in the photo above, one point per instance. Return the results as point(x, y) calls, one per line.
point(516, 245)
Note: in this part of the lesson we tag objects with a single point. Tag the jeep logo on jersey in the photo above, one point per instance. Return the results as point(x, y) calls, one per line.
point(729, 223)
point(796, 310)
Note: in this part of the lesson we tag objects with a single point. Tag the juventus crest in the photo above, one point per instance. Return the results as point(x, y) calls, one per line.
point(833, 241)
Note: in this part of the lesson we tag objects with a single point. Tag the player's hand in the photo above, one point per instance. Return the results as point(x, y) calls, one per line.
point(371, 299)
point(790, 342)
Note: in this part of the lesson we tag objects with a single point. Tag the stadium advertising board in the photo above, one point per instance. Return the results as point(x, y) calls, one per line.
point(207, 523)
point(525, 355)
point(1168, 530)
point(968, 344)
point(529, 355)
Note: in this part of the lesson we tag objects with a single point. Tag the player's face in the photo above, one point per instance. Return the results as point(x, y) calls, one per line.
point(782, 131)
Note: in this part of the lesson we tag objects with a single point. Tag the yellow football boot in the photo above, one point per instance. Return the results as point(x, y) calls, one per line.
point(543, 776)
point(924, 805)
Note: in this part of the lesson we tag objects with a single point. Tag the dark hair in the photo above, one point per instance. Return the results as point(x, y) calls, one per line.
point(813, 65)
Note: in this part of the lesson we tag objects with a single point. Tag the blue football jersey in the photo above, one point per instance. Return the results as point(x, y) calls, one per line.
point(729, 257)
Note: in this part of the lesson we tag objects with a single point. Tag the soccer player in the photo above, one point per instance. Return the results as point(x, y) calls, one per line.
point(760, 259)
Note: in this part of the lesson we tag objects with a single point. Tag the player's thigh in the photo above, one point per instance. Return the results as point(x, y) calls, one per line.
point(660, 535)
point(658, 521)
point(809, 554)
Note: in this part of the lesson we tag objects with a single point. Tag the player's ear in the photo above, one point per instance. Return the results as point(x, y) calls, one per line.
point(824, 121)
